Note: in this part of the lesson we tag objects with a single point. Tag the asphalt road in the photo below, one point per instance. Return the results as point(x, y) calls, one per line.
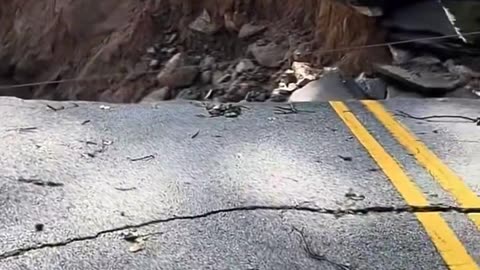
point(101, 186)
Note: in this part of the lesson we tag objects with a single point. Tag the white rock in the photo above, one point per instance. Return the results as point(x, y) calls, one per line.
point(151, 50)
point(154, 63)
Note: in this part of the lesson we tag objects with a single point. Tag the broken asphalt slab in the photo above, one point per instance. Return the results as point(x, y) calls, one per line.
point(240, 182)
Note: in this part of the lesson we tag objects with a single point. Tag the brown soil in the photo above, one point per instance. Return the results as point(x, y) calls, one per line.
point(65, 39)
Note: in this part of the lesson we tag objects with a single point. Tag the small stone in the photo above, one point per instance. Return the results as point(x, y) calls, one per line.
point(206, 76)
point(39, 227)
point(192, 93)
point(249, 30)
point(205, 24)
point(154, 63)
point(207, 63)
point(354, 196)
point(136, 247)
point(169, 51)
point(292, 87)
point(151, 50)
point(245, 65)
point(288, 77)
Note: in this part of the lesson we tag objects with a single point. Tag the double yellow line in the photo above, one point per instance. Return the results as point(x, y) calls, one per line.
point(443, 237)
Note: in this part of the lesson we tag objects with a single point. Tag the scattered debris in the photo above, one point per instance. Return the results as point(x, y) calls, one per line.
point(196, 134)
point(244, 65)
point(102, 149)
point(23, 129)
point(291, 109)
point(125, 189)
point(130, 237)
point(138, 242)
point(55, 109)
point(136, 247)
point(354, 196)
point(39, 227)
point(39, 182)
point(345, 158)
point(315, 256)
point(227, 110)
point(145, 158)
point(304, 73)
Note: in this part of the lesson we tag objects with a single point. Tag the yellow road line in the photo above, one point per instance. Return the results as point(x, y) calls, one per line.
point(445, 240)
point(447, 179)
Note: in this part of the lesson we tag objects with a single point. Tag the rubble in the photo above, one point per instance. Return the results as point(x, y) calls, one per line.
point(244, 65)
point(270, 55)
point(231, 53)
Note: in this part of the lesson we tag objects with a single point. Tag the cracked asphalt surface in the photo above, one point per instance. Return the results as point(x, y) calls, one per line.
point(219, 193)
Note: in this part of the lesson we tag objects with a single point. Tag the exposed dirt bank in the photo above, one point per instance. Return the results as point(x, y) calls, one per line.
point(65, 39)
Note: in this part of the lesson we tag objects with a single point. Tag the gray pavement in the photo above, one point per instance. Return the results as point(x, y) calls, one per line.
point(208, 193)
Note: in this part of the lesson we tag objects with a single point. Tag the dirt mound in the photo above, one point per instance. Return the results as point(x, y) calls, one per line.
point(66, 39)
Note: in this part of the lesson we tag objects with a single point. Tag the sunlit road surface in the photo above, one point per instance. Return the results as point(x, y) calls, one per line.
point(357, 185)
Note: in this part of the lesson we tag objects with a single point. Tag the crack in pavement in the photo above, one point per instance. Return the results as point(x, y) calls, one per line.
point(335, 212)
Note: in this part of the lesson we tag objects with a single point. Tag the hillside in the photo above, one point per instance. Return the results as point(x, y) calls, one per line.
point(64, 39)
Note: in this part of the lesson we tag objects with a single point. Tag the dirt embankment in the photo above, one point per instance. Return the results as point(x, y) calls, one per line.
point(64, 39)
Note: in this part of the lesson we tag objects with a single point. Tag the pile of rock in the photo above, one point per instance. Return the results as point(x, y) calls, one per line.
point(280, 70)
